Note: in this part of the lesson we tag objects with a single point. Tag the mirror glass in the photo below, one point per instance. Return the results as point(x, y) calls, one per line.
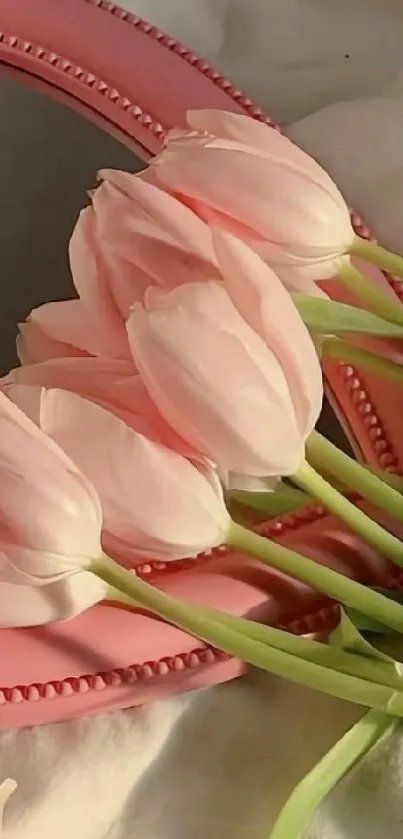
point(49, 159)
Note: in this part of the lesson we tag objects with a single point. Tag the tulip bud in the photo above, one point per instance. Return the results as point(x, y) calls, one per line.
point(233, 389)
point(155, 502)
point(245, 177)
point(50, 527)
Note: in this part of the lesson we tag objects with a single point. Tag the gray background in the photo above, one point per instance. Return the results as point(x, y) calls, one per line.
point(49, 157)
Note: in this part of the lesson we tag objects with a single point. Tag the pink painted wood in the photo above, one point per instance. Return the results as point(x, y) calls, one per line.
point(136, 82)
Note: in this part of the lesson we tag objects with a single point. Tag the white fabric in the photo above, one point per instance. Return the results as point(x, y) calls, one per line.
point(218, 764)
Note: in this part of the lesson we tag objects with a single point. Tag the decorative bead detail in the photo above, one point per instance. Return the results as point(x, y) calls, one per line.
point(189, 56)
point(32, 693)
point(359, 397)
point(49, 691)
point(65, 66)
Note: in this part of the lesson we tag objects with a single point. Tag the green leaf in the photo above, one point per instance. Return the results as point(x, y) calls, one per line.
point(283, 500)
point(300, 808)
point(347, 636)
point(329, 317)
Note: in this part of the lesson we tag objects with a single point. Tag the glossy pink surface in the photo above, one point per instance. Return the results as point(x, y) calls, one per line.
point(136, 82)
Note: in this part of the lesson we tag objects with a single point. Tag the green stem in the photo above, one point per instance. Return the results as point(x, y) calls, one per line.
point(334, 658)
point(352, 664)
point(342, 350)
point(370, 531)
point(235, 643)
point(374, 298)
point(341, 588)
point(377, 255)
point(323, 454)
point(300, 808)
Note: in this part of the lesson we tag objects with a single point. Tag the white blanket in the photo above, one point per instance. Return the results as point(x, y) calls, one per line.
point(218, 764)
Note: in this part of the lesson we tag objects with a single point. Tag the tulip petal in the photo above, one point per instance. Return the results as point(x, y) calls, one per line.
point(151, 204)
point(45, 502)
point(110, 383)
point(27, 398)
point(25, 605)
point(91, 279)
point(153, 500)
point(280, 212)
point(215, 380)
point(148, 237)
point(262, 300)
point(34, 344)
point(261, 136)
point(78, 326)
point(250, 132)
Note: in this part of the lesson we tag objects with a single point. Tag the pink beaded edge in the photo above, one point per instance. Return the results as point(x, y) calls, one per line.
point(312, 622)
point(187, 55)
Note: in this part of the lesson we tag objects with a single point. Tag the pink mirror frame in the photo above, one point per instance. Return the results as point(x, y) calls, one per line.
point(136, 82)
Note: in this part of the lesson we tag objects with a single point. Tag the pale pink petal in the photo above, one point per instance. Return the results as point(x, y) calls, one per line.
point(34, 344)
point(294, 279)
point(92, 281)
point(298, 273)
point(25, 605)
point(103, 274)
point(161, 210)
point(101, 379)
point(148, 237)
point(258, 135)
point(262, 300)
point(282, 211)
point(27, 398)
point(26, 566)
point(153, 500)
point(234, 132)
point(215, 380)
point(110, 383)
point(78, 325)
point(45, 502)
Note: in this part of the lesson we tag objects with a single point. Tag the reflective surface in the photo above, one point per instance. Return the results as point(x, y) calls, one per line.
point(49, 157)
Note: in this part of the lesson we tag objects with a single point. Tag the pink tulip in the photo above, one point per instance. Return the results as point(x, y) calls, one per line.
point(219, 364)
point(245, 177)
point(134, 236)
point(50, 527)
point(155, 502)
point(113, 384)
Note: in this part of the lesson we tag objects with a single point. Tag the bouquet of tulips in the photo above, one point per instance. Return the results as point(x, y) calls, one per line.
point(187, 373)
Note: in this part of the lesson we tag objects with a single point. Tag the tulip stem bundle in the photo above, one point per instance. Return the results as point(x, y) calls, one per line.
point(300, 807)
point(323, 579)
point(377, 255)
point(374, 298)
point(332, 671)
